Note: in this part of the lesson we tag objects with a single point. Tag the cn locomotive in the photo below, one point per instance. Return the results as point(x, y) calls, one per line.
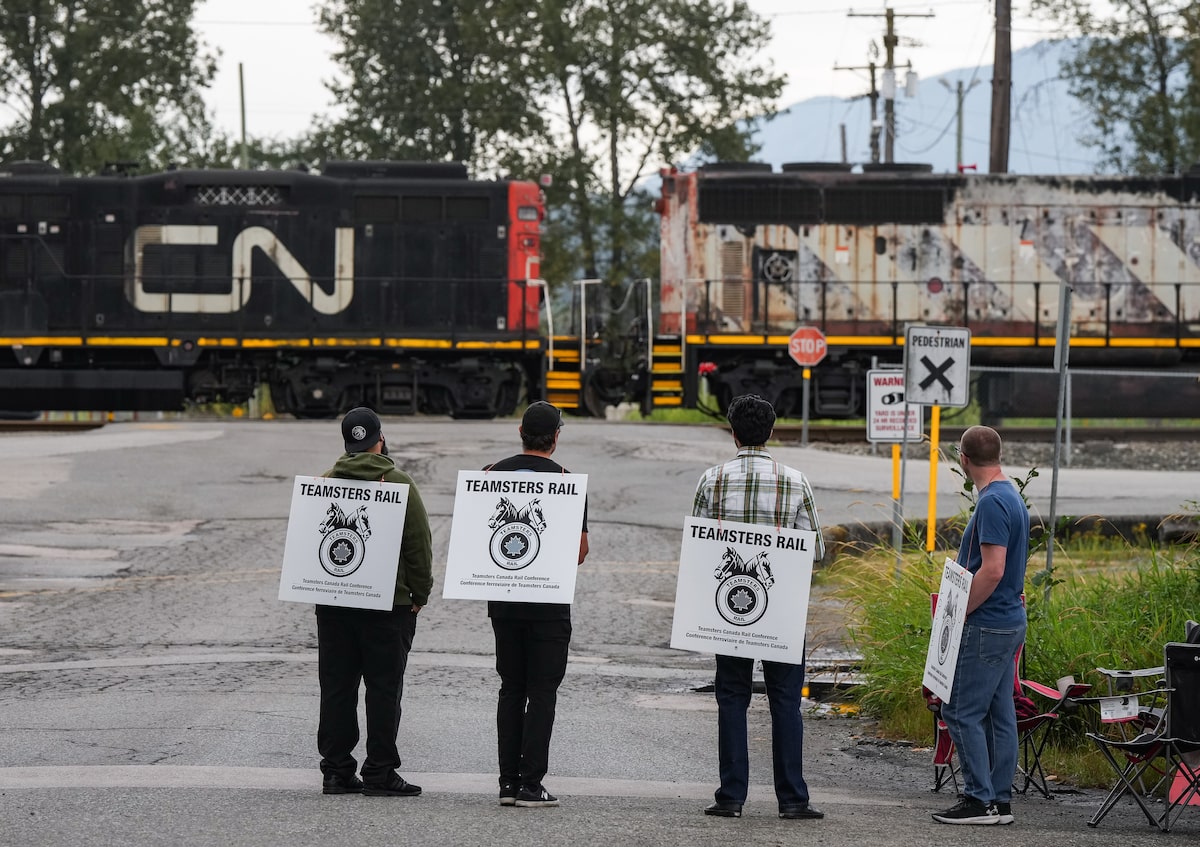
point(748, 254)
point(411, 288)
point(404, 286)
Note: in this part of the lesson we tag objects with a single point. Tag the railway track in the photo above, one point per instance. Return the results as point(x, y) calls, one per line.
point(791, 433)
point(48, 426)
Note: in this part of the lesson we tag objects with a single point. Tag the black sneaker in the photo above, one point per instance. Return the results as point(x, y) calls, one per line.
point(535, 796)
point(336, 783)
point(393, 786)
point(508, 794)
point(969, 811)
point(1004, 810)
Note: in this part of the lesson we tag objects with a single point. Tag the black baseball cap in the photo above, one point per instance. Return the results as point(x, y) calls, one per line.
point(541, 419)
point(360, 430)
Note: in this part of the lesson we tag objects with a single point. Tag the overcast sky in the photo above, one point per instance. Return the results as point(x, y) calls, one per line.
point(285, 58)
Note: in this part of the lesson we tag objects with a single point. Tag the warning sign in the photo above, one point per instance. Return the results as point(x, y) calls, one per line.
point(885, 409)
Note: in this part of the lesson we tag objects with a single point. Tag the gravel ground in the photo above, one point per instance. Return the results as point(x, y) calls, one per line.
point(1121, 455)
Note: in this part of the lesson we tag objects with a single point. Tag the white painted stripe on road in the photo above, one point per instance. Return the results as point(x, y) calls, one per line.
point(583, 665)
point(292, 779)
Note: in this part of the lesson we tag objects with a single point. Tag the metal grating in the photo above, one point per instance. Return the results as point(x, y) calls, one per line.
point(237, 195)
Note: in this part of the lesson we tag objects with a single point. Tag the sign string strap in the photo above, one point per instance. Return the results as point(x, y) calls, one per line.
point(779, 497)
point(716, 495)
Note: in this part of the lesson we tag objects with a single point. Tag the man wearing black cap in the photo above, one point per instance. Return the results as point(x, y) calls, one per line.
point(367, 645)
point(531, 643)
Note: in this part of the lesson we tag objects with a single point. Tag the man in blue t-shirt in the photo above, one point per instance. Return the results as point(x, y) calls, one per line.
point(980, 713)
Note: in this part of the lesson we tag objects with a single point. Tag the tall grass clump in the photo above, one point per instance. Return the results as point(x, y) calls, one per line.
point(1114, 606)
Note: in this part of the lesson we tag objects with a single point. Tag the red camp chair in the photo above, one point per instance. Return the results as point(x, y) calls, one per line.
point(1033, 727)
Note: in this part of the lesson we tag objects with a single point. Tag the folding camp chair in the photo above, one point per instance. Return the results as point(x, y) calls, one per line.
point(1033, 727)
point(1171, 748)
point(945, 768)
point(1033, 730)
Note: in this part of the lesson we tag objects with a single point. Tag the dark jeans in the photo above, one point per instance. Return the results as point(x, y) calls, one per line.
point(353, 646)
point(785, 684)
point(531, 658)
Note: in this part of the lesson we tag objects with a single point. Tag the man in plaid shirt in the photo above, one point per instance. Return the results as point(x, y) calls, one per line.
point(754, 488)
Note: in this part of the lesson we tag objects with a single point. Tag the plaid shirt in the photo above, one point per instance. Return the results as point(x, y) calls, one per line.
point(754, 488)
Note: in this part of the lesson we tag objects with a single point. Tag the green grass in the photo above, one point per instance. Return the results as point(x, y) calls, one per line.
point(1112, 605)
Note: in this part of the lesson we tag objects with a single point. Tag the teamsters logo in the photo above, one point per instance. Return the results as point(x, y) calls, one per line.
point(947, 612)
point(343, 540)
point(742, 594)
point(516, 540)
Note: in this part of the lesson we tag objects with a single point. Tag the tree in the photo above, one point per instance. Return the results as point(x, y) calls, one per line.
point(635, 85)
point(84, 82)
point(597, 93)
point(429, 80)
point(1137, 73)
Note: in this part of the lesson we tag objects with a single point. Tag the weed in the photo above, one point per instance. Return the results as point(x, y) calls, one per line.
point(1114, 605)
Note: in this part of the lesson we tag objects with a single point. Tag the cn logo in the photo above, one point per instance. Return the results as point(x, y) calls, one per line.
point(240, 282)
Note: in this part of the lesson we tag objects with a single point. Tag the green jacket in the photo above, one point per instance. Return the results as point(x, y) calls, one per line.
point(414, 572)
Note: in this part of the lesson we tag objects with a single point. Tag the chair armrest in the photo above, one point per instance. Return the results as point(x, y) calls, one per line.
point(1045, 690)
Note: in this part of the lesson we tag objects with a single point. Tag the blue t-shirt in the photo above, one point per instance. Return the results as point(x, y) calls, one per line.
point(1001, 518)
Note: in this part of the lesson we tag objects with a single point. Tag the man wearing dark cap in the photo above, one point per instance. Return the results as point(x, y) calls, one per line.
point(368, 645)
point(754, 488)
point(531, 643)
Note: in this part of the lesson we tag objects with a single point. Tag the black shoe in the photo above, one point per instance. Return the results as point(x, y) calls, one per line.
point(335, 783)
point(801, 812)
point(724, 810)
point(1004, 810)
point(508, 794)
point(393, 786)
point(969, 811)
point(534, 796)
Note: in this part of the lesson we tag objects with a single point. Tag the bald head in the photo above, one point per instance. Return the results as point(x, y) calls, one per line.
point(981, 444)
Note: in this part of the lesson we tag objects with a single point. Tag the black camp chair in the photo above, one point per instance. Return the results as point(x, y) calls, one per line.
point(1171, 747)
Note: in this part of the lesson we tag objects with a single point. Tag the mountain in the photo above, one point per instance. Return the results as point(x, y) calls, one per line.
point(1047, 122)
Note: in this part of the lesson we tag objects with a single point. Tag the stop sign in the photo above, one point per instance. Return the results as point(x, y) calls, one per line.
point(807, 346)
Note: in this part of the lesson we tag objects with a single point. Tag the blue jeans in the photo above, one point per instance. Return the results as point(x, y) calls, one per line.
point(785, 684)
point(980, 713)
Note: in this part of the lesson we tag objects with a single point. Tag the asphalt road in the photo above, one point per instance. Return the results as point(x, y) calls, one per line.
point(154, 691)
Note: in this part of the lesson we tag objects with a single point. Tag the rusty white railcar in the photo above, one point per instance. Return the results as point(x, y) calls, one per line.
point(749, 254)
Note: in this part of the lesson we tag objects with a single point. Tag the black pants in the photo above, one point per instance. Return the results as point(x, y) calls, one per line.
point(353, 646)
point(531, 658)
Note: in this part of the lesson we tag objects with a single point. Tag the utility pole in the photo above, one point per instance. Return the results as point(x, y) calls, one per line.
point(890, 42)
point(1001, 89)
point(874, 97)
point(242, 104)
point(958, 128)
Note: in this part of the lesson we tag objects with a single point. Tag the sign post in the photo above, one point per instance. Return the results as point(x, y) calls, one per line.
point(937, 372)
point(890, 418)
point(807, 348)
